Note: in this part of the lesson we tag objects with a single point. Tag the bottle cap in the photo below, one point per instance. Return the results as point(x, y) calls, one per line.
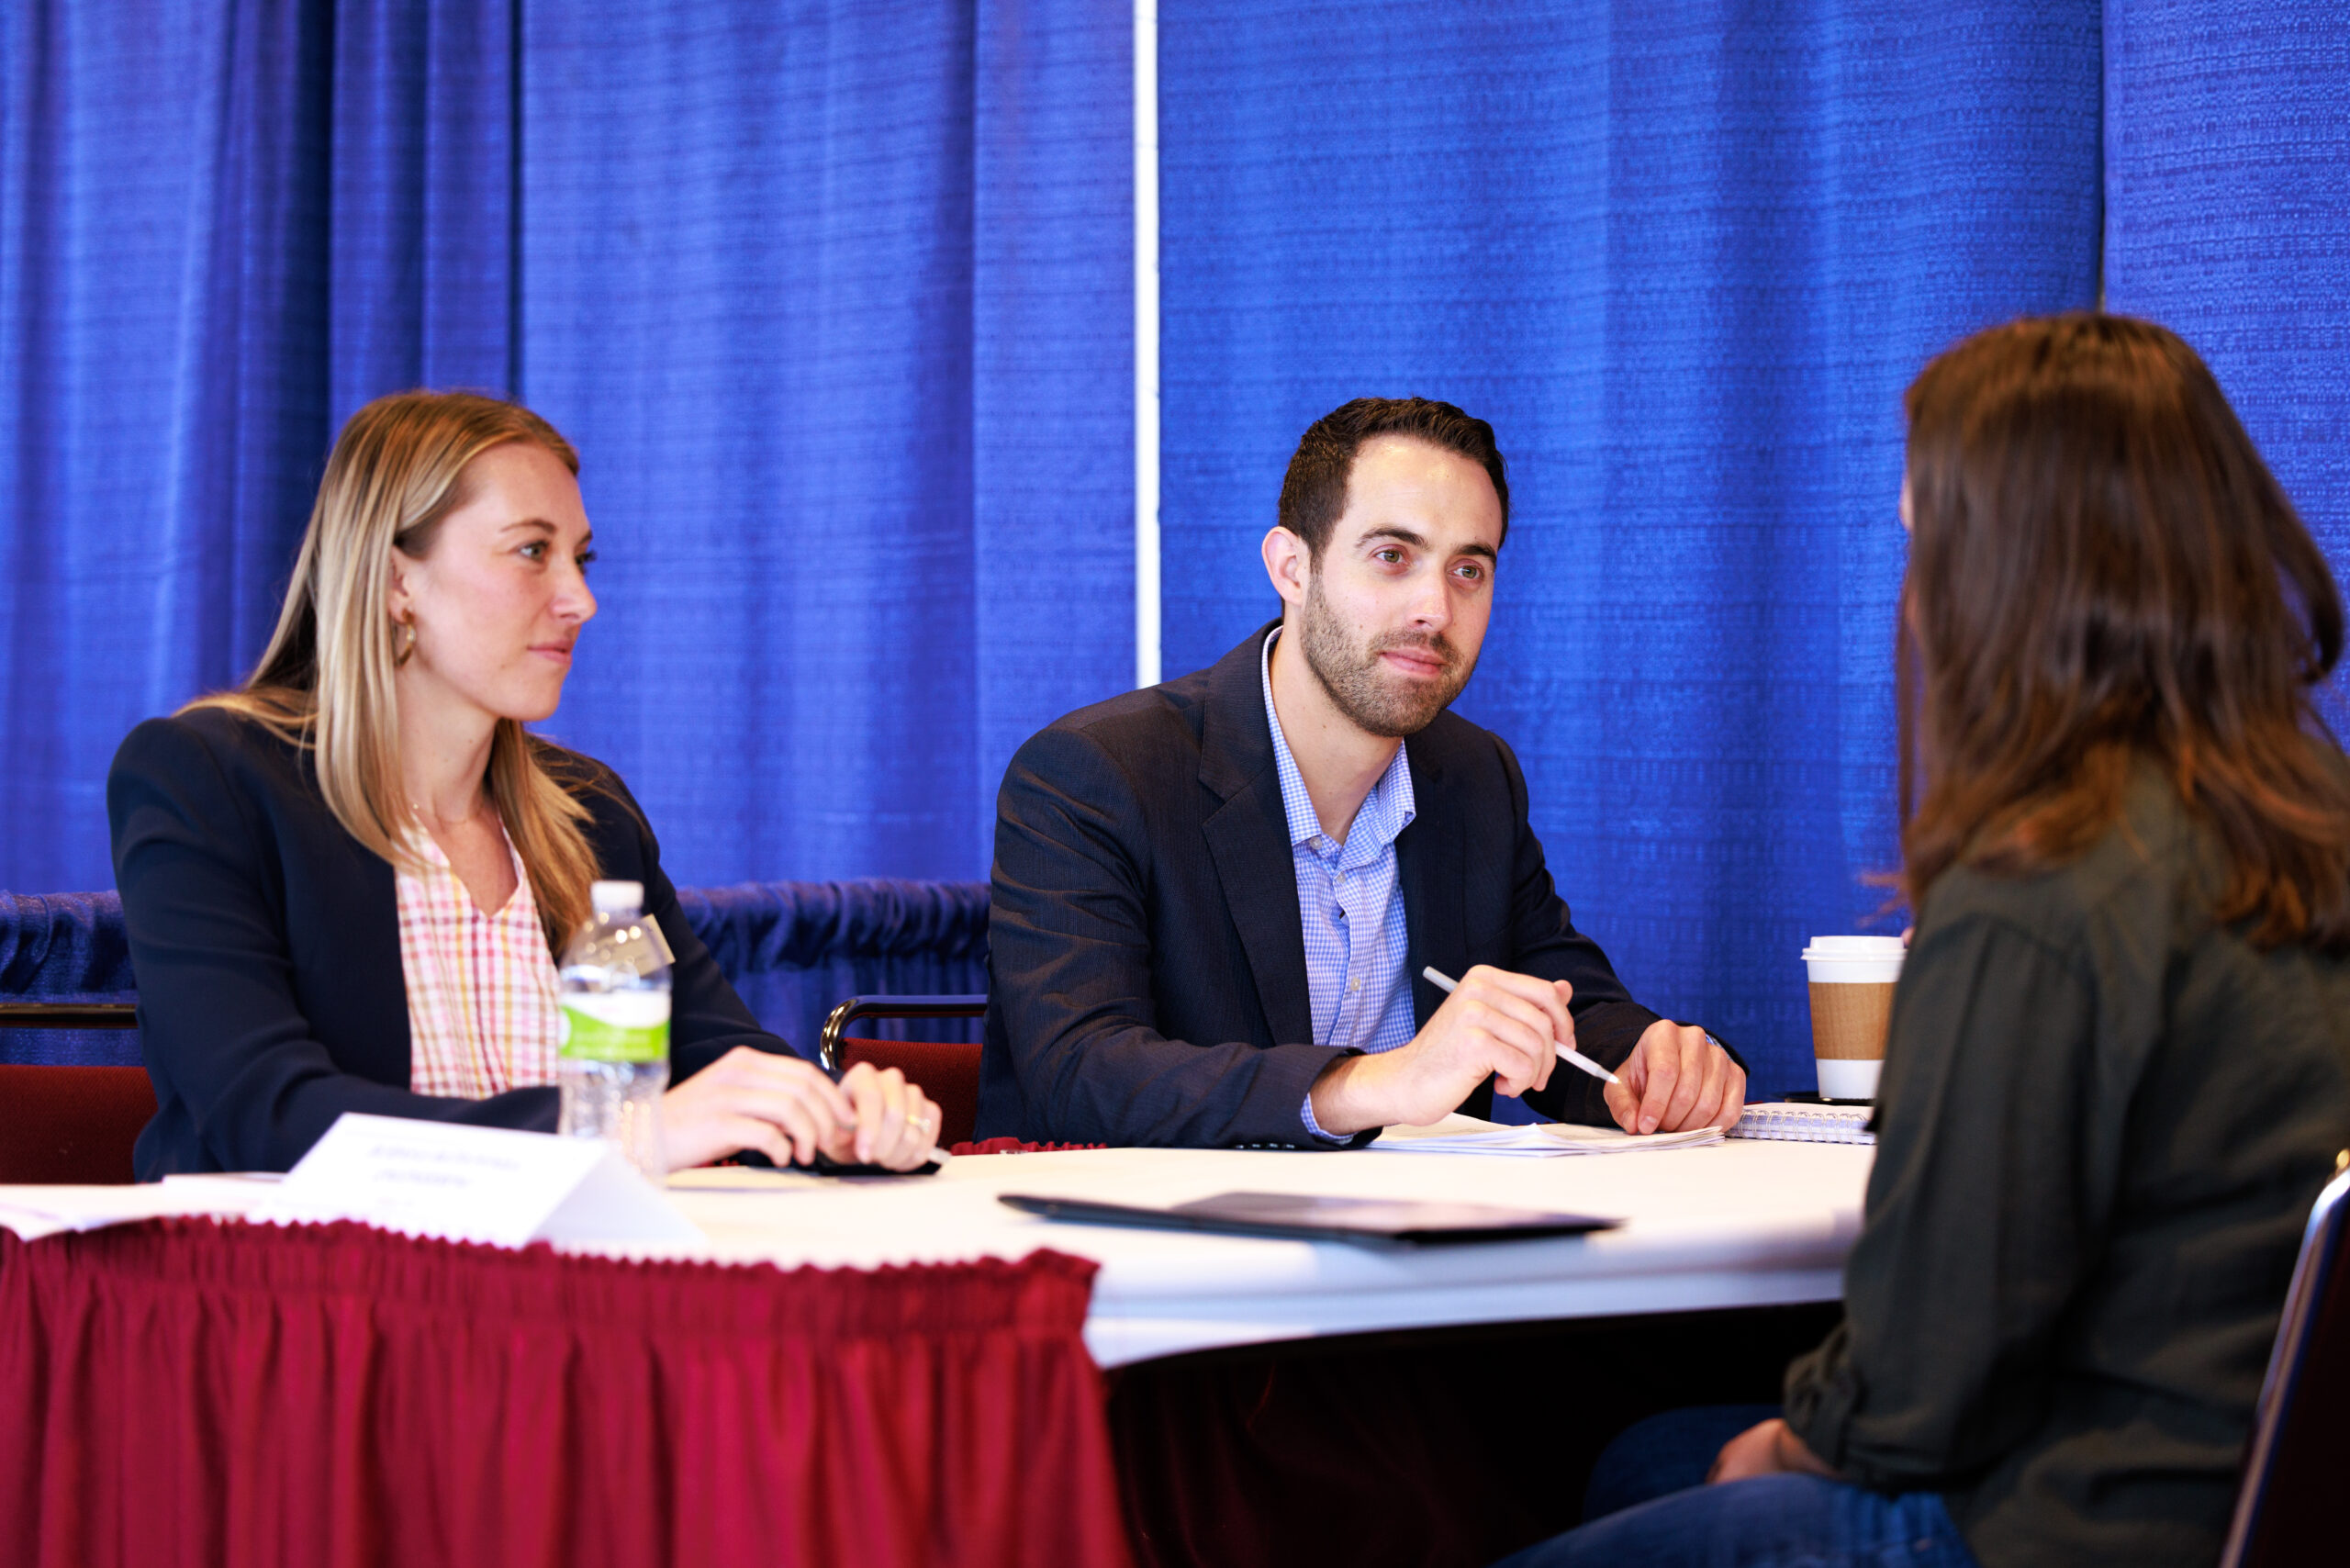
point(617, 898)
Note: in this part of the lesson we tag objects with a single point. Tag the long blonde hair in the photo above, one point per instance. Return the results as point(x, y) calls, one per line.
point(325, 682)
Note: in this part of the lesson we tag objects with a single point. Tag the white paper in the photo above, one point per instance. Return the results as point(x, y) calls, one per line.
point(240, 1185)
point(33, 1211)
point(1458, 1134)
point(464, 1184)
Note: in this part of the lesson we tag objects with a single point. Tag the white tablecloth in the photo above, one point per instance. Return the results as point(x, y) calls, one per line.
point(1739, 1223)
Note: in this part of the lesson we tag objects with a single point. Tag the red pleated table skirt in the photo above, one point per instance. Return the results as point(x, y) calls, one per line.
point(187, 1392)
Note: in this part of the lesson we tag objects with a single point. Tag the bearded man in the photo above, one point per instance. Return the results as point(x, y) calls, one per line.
point(1214, 898)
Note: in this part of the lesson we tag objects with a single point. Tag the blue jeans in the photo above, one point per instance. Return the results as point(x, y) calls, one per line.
point(1647, 1505)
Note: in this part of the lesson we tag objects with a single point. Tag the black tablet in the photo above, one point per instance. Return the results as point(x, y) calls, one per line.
point(1369, 1222)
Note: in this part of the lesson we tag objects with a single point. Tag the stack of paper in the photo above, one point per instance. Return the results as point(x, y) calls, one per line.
point(1458, 1134)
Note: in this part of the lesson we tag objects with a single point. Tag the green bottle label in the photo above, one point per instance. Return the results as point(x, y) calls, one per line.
point(617, 1027)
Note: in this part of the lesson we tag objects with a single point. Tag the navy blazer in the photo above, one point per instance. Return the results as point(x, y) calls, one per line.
point(266, 944)
point(1146, 953)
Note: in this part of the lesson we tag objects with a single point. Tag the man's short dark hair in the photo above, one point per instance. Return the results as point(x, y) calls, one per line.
point(1315, 491)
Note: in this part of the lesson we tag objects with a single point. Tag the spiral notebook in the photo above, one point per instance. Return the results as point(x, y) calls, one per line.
point(1789, 1123)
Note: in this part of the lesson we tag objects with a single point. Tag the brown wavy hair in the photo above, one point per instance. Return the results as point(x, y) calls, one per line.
point(325, 681)
point(2103, 574)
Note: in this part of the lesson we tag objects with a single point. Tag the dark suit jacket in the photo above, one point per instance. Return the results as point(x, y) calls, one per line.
point(266, 944)
point(1147, 957)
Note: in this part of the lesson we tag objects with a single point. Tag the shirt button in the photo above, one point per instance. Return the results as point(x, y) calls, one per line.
point(1354, 985)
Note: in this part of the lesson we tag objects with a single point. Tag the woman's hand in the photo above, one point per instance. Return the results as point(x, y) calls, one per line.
point(787, 1110)
point(1770, 1449)
point(782, 1106)
point(894, 1124)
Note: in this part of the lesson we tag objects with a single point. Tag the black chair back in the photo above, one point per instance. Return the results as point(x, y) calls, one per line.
point(2286, 1511)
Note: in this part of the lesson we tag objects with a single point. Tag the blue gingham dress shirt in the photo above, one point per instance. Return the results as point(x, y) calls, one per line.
point(1350, 902)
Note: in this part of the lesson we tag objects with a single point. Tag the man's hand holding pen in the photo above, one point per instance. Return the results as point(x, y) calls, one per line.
point(1518, 1029)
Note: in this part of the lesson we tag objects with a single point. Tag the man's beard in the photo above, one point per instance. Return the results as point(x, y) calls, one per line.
point(1357, 680)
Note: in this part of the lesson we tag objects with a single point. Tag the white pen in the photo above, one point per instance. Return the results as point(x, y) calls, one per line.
point(1567, 1054)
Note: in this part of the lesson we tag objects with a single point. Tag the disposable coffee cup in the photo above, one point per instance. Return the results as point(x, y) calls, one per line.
point(1851, 1003)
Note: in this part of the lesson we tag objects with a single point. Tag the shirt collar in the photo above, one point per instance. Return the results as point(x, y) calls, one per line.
point(1386, 811)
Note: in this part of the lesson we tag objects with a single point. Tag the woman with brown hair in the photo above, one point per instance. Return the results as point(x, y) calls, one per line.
point(345, 882)
point(2118, 1066)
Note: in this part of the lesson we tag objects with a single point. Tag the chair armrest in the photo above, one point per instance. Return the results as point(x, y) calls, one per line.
point(828, 1044)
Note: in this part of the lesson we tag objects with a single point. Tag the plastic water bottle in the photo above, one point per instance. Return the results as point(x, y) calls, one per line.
point(614, 1063)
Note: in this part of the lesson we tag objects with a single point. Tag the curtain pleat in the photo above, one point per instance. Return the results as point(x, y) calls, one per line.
point(421, 267)
point(834, 297)
point(163, 329)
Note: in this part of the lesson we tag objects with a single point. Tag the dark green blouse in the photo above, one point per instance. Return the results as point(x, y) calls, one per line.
point(2102, 1122)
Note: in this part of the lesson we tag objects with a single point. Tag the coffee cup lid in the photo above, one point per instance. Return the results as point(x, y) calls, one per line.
point(1855, 948)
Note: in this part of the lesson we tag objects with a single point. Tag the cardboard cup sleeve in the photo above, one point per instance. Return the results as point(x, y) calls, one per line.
point(1848, 1022)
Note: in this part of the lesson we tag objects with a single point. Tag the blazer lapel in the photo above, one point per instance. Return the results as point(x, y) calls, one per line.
point(1249, 841)
point(1428, 868)
point(381, 989)
point(1247, 838)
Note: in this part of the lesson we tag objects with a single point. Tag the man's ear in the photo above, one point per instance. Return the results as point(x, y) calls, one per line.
point(1288, 562)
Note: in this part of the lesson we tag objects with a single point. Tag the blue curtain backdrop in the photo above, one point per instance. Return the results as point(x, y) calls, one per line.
point(1685, 257)
point(164, 329)
point(836, 299)
point(2227, 218)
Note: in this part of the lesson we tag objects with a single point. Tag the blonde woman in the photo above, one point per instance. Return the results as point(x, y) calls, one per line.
point(345, 882)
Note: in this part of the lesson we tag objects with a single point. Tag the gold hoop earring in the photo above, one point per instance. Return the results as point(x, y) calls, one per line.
point(407, 649)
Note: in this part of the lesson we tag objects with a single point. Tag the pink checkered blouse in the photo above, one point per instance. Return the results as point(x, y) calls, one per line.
point(483, 1009)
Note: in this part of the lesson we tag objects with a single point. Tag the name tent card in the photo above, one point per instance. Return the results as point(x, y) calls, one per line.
point(462, 1183)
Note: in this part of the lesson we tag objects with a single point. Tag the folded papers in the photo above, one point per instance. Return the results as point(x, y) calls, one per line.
point(1458, 1134)
point(33, 1211)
